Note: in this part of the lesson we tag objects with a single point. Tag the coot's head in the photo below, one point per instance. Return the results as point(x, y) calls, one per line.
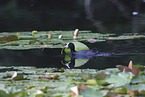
point(71, 46)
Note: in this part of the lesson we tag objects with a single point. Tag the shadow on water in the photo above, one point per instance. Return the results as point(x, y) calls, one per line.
point(126, 49)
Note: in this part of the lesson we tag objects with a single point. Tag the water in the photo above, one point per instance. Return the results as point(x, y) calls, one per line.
point(128, 49)
point(28, 15)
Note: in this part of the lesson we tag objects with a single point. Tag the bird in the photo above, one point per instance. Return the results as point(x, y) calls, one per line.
point(82, 54)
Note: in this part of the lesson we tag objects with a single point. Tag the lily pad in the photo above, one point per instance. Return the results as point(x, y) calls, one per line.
point(78, 46)
point(92, 93)
point(90, 82)
point(120, 79)
point(3, 94)
point(138, 87)
point(54, 41)
point(80, 62)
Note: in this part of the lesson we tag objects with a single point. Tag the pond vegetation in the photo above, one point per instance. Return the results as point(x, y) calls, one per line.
point(45, 82)
point(21, 81)
point(50, 39)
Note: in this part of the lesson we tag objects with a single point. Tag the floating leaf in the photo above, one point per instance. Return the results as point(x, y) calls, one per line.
point(117, 83)
point(12, 38)
point(135, 71)
point(3, 39)
point(50, 78)
point(91, 82)
point(75, 91)
point(110, 95)
point(82, 87)
point(101, 75)
point(85, 76)
point(2, 87)
point(121, 68)
point(8, 38)
point(15, 76)
point(9, 75)
point(138, 79)
point(121, 90)
point(78, 46)
point(80, 62)
point(92, 40)
point(123, 37)
point(142, 92)
point(138, 87)
point(138, 66)
point(92, 93)
point(54, 42)
point(120, 79)
point(19, 94)
point(130, 68)
point(3, 94)
point(20, 77)
point(133, 93)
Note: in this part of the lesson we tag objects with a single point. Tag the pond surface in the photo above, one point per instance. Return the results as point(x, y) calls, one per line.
point(126, 50)
point(26, 15)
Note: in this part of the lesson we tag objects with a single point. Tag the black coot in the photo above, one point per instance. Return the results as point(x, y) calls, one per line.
point(82, 53)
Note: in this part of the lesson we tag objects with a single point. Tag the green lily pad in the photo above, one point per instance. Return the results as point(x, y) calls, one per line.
point(92, 93)
point(3, 94)
point(2, 86)
point(80, 62)
point(99, 83)
point(138, 87)
point(120, 79)
point(10, 39)
point(92, 82)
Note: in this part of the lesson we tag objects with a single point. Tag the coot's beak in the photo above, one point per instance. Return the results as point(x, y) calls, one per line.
point(66, 45)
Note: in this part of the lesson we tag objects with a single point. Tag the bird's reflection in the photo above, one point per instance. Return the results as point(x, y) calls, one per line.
point(72, 62)
point(78, 58)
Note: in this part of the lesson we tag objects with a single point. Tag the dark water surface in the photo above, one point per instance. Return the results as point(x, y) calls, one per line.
point(126, 49)
point(96, 15)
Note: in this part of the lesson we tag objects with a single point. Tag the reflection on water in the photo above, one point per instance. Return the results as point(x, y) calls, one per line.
point(126, 49)
point(73, 62)
point(100, 62)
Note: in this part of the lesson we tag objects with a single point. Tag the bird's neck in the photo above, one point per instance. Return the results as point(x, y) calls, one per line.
point(73, 50)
